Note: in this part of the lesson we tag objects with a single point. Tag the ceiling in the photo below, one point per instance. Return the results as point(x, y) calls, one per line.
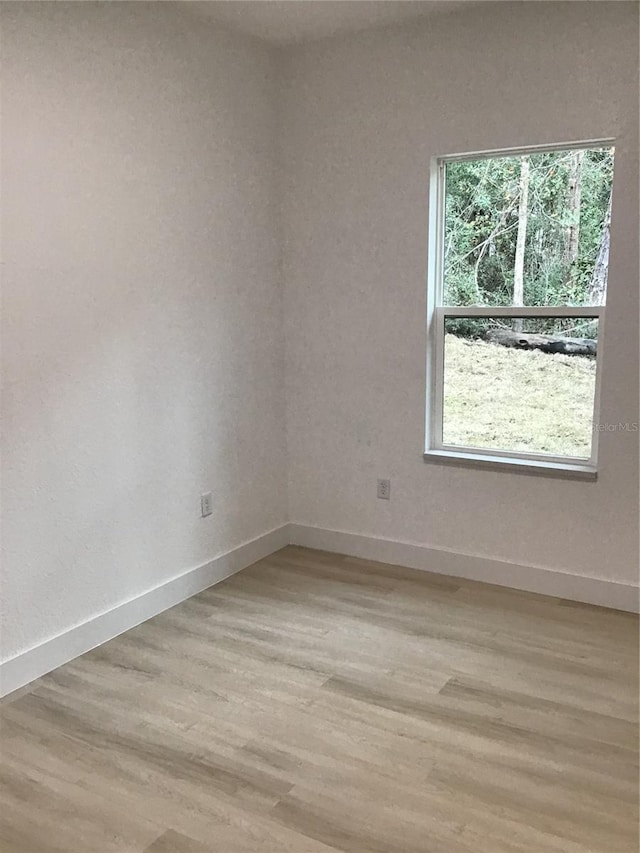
point(284, 22)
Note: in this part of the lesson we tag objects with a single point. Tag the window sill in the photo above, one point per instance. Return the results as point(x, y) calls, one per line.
point(581, 471)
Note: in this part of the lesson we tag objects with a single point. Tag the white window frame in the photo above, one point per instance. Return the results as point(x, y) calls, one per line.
point(437, 313)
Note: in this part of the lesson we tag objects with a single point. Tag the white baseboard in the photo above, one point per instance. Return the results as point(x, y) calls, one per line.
point(37, 661)
point(600, 591)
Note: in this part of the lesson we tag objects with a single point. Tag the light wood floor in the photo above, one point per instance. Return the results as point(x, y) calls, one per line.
point(318, 703)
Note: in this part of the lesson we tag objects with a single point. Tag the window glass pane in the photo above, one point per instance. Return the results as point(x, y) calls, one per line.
point(528, 230)
point(524, 385)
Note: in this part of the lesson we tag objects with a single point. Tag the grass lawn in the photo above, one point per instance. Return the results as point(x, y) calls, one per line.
point(512, 399)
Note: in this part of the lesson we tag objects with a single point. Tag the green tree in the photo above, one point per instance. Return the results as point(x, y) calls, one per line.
point(565, 233)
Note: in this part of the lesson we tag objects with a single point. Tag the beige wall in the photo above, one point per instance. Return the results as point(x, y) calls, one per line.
point(142, 310)
point(364, 115)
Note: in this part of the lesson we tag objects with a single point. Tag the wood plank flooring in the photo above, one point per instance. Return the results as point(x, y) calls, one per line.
point(315, 703)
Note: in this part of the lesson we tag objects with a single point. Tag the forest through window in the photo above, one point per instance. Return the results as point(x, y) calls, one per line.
point(528, 230)
point(524, 267)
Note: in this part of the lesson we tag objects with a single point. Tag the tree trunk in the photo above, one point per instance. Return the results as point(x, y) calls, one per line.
point(545, 343)
point(598, 286)
point(523, 215)
point(574, 195)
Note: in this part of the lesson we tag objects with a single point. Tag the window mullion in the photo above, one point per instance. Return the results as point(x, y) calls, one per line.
point(564, 311)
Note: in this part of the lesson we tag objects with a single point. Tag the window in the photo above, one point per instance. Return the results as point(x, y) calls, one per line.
point(518, 262)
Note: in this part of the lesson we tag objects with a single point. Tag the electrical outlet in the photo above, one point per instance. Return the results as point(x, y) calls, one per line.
point(206, 504)
point(384, 489)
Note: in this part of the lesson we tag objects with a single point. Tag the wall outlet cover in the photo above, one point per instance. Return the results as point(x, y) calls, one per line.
point(384, 490)
point(206, 504)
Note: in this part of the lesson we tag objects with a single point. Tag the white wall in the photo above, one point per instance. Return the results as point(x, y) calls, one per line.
point(143, 350)
point(363, 116)
point(142, 346)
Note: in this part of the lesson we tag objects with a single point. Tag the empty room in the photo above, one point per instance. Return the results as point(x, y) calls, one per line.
point(320, 373)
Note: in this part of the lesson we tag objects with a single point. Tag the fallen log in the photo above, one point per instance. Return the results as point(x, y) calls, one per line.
point(544, 343)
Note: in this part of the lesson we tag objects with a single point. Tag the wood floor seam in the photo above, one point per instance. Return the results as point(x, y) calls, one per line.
point(315, 703)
